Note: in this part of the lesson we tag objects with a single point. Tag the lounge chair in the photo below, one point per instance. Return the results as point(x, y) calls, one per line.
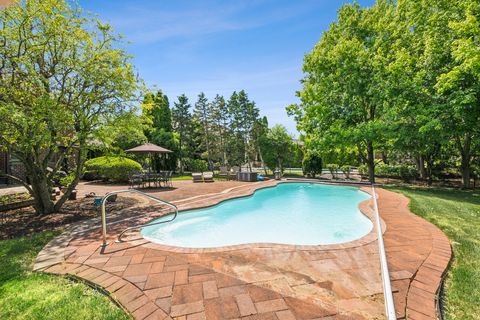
point(233, 172)
point(197, 176)
point(224, 172)
point(208, 176)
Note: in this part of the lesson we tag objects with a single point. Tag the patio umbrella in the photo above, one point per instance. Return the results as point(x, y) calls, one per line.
point(150, 149)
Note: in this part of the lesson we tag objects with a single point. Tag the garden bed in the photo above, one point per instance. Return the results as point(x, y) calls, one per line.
point(24, 221)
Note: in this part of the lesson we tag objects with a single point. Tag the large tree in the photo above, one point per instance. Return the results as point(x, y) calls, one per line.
point(203, 116)
point(342, 99)
point(460, 84)
point(182, 122)
point(157, 122)
point(277, 145)
point(61, 72)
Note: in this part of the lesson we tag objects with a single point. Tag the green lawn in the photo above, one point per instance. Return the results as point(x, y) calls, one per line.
point(30, 295)
point(457, 213)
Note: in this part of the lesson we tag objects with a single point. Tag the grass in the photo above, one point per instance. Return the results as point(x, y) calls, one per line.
point(457, 214)
point(30, 295)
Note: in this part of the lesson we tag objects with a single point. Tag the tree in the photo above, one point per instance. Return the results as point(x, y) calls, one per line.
point(121, 132)
point(243, 113)
point(460, 85)
point(342, 101)
point(60, 75)
point(157, 118)
point(220, 120)
point(182, 121)
point(312, 164)
point(203, 116)
point(277, 146)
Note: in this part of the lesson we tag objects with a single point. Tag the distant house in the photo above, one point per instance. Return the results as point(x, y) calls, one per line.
point(10, 165)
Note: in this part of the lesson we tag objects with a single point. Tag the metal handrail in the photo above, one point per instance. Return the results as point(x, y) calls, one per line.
point(387, 287)
point(104, 215)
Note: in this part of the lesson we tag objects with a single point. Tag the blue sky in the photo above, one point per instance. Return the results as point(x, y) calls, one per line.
point(192, 46)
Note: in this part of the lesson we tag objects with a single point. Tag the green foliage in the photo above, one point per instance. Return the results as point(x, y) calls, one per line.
point(403, 171)
point(182, 123)
point(312, 164)
point(196, 165)
point(111, 168)
point(120, 132)
point(346, 169)
point(333, 168)
point(342, 97)
point(62, 74)
point(399, 78)
point(33, 295)
point(277, 147)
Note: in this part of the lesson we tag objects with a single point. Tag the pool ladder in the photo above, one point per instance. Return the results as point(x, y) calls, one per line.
point(119, 238)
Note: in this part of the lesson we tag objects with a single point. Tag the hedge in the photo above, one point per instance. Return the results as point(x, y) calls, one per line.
point(116, 169)
point(404, 172)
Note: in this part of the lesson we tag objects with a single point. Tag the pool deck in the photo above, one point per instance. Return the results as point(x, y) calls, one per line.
point(255, 281)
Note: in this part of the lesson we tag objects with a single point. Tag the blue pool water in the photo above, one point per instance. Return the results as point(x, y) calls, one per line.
point(290, 213)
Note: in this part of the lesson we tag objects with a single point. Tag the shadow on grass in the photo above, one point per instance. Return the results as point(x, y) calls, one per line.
point(453, 194)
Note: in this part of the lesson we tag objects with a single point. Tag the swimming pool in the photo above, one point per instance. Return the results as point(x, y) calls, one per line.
point(290, 213)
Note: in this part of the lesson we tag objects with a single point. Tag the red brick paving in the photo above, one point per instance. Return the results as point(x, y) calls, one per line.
point(258, 281)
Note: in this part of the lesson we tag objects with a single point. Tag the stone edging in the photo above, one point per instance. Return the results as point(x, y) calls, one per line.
point(364, 206)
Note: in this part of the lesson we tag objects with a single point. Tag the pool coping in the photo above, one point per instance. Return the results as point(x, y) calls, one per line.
point(364, 206)
point(416, 299)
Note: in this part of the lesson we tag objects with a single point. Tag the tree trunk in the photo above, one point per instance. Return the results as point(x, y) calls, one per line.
point(384, 157)
point(420, 164)
point(80, 160)
point(371, 162)
point(40, 190)
point(261, 160)
point(428, 170)
point(466, 158)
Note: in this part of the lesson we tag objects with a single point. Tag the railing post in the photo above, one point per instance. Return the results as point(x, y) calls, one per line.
point(104, 221)
point(387, 288)
point(104, 213)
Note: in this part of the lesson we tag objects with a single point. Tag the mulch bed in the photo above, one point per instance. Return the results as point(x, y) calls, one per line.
point(24, 221)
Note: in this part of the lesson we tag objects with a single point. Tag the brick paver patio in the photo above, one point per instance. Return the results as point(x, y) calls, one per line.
point(256, 281)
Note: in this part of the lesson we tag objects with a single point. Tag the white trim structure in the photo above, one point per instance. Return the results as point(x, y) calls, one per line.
point(387, 287)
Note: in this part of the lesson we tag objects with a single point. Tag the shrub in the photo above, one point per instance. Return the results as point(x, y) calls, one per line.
point(196, 165)
point(363, 170)
point(110, 168)
point(333, 167)
point(346, 169)
point(312, 164)
point(405, 172)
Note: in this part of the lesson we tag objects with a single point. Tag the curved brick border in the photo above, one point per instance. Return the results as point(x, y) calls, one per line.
point(418, 254)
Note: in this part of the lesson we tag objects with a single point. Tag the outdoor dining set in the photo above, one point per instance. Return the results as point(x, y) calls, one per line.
point(151, 179)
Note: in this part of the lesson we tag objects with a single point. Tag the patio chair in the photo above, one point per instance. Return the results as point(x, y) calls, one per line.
point(167, 178)
point(135, 180)
point(233, 172)
point(197, 176)
point(224, 172)
point(208, 176)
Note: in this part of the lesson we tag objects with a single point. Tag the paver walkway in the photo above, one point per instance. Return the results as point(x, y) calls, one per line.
point(259, 281)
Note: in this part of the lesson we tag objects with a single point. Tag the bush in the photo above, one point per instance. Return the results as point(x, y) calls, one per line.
point(363, 170)
point(405, 172)
point(196, 165)
point(110, 168)
point(346, 169)
point(312, 164)
point(333, 167)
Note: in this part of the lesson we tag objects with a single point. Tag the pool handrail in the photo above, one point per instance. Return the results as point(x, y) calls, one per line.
point(387, 287)
point(104, 214)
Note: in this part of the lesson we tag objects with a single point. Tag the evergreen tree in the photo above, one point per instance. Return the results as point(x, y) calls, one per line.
point(182, 123)
point(203, 116)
